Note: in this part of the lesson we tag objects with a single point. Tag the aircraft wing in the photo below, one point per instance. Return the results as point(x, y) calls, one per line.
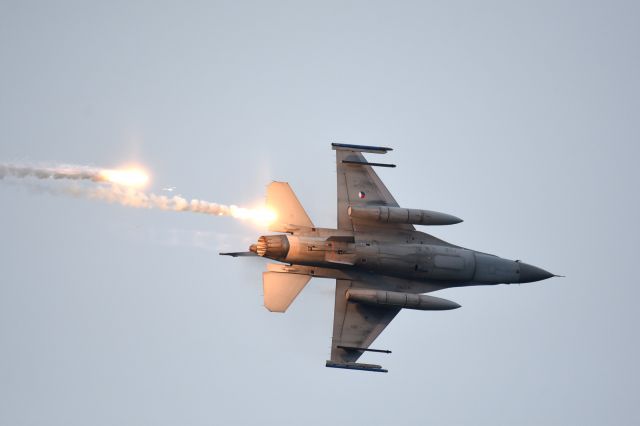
point(355, 325)
point(359, 185)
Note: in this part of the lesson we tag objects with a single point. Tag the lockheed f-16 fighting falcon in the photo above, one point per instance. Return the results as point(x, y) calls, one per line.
point(381, 264)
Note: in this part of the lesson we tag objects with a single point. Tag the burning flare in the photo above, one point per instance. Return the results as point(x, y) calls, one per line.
point(128, 177)
point(135, 177)
point(122, 186)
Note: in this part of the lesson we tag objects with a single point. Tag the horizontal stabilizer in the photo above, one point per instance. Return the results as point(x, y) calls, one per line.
point(356, 366)
point(290, 213)
point(361, 148)
point(280, 289)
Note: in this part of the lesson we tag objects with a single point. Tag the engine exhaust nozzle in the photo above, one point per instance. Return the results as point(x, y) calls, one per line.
point(271, 246)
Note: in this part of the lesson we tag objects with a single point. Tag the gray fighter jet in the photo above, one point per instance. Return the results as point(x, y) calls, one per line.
point(381, 264)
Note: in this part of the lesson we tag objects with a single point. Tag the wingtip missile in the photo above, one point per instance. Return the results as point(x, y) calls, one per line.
point(361, 148)
point(356, 366)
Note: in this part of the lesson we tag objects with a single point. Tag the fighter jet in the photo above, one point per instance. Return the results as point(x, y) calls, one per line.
point(381, 264)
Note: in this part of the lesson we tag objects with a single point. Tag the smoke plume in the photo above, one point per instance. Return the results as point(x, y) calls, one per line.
point(59, 172)
point(119, 186)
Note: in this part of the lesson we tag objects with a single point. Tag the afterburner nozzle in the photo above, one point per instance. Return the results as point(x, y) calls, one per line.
point(271, 246)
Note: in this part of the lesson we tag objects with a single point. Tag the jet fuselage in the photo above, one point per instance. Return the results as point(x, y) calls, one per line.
point(380, 263)
point(410, 255)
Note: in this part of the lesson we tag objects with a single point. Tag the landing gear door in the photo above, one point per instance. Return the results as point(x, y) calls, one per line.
point(367, 252)
point(341, 250)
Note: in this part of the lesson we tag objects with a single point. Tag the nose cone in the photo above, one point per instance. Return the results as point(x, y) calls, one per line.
point(530, 273)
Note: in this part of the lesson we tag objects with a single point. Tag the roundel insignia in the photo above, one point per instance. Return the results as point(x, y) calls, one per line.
point(361, 194)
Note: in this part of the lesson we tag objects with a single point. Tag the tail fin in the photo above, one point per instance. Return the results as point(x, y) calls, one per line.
point(290, 213)
point(281, 288)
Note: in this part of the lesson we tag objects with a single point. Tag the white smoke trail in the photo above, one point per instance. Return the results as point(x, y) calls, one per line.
point(114, 189)
point(135, 198)
point(58, 172)
point(127, 177)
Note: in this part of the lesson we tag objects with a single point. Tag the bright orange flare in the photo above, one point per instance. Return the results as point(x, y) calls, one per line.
point(264, 216)
point(261, 216)
point(126, 177)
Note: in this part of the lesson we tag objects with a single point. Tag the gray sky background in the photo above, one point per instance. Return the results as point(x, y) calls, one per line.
point(520, 117)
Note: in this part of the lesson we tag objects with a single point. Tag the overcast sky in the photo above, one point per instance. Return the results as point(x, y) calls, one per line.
point(520, 117)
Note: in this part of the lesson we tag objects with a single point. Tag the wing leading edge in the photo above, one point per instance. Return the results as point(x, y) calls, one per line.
point(357, 325)
point(359, 185)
